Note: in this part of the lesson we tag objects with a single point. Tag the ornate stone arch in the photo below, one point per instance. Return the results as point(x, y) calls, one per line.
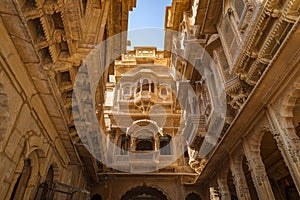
point(36, 159)
point(286, 110)
point(288, 104)
point(33, 150)
point(145, 190)
point(4, 112)
point(141, 125)
point(254, 139)
point(193, 196)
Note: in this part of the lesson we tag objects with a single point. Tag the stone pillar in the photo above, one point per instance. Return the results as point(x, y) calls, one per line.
point(288, 147)
point(111, 148)
point(236, 166)
point(258, 171)
point(133, 144)
point(156, 144)
point(223, 186)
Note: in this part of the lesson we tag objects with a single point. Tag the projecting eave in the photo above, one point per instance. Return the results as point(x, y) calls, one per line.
point(208, 15)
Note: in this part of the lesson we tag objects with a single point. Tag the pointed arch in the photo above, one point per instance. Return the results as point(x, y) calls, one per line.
point(33, 159)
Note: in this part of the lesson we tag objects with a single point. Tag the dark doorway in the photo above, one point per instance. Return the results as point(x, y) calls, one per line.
point(144, 145)
point(21, 184)
point(144, 193)
point(192, 196)
point(96, 197)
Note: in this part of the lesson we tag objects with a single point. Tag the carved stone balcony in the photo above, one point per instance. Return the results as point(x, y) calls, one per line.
point(143, 161)
point(144, 101)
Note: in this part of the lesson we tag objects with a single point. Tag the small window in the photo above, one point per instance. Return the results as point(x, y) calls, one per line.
point(152, 87)
point(124, 145)
point(126, 90)
point(164, 91)
point(145, 85)
point(138, 87)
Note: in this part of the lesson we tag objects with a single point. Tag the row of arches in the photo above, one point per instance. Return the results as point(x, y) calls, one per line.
point(32, 183)
point(144, 85)
point(258, 172)
point(266, 164)
point(29, 176)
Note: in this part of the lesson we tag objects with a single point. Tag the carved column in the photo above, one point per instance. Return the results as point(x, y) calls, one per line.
point(287, 146)
point(156, 143)
point(223, 186)
point(258, 171)
point(112, 145)
point(236, 166)
point(133, 144)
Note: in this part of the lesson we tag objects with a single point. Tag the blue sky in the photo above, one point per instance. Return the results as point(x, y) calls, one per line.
point(146, 23)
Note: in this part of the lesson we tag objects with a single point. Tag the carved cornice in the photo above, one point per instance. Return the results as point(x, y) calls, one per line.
point(236, 94)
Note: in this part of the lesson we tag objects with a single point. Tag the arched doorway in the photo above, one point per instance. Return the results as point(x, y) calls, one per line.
point(192, 196)
point(144, 193)
point(279, 176)
point(144, 144)
point(22, 181)
point(47, 192)
point(96, 197)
